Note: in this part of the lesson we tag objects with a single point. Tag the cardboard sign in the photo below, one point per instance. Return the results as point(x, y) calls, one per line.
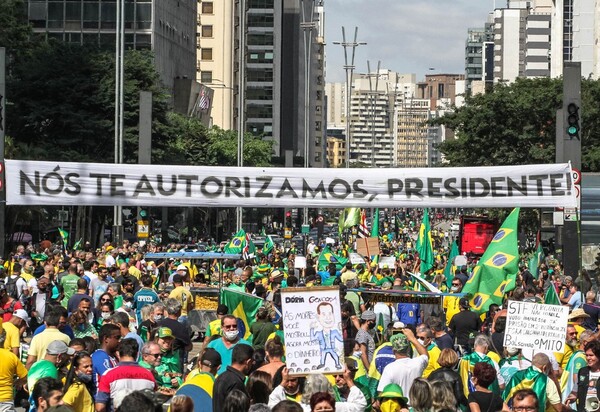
point(536, 326)
point(389, 261)
point(368, 246)
point(312, 327)
point(356, 259)
point(300, 262)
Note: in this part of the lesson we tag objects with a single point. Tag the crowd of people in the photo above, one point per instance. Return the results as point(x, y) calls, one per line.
point(108, 330)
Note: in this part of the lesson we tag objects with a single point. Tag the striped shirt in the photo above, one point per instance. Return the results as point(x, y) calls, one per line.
point(127, 375)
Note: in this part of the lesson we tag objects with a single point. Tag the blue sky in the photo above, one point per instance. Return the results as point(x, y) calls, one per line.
point(408, 36)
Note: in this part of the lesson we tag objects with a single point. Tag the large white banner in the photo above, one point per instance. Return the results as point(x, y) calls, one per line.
point(62, 183)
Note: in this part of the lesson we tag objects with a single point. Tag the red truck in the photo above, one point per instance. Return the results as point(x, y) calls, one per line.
point(475, 234)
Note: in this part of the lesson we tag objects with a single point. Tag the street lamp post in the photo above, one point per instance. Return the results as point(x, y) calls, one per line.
point(373, 93)
point(349, 68)
point(241, 98)
point(119, 102)
point(307, 27)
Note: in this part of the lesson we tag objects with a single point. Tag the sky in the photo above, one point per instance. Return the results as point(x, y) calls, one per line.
point(407, 36)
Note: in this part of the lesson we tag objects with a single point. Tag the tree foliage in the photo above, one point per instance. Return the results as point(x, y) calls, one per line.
point(514, 124)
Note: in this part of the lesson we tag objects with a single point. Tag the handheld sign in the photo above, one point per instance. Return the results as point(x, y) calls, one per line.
point(312, 327)
point(389, 261)
point(300, 262)
point(356, 259)
point(542, 328)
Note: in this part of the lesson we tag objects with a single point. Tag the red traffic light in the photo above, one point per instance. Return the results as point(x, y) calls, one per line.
point(288, 214)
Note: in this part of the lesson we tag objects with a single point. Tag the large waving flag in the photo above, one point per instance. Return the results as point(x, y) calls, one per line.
point(64, 235)
point(363, 230)
point(496, 272)
point(327, 256)
point(375, 224)
point(424, 244)
point(249, 250)
point(450, 269)
point(551, 297)
point(243, 306)
point(268, 246)
point(237, 243)
point(535, 260)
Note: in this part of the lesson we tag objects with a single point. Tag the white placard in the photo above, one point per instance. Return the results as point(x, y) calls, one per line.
point(300, 262)
point(59, 183)
point(357, 259)
point(536, 326)
point(390, 261)
point(312, 329)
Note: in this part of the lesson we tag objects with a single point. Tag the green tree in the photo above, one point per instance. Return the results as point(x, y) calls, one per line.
point(515, 124)
point(223, 148)
point(15, 30)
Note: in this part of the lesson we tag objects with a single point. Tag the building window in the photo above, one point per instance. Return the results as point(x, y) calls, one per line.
point(207, 31)
point(206, 54)
point(205, 77)
point(207, 7)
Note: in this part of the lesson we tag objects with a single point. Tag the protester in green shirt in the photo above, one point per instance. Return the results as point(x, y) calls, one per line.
point(169, 369)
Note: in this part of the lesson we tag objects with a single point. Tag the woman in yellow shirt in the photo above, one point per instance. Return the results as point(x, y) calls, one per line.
point(78, 384)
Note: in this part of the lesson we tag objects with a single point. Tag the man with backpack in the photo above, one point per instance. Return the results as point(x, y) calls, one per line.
point(13, 292)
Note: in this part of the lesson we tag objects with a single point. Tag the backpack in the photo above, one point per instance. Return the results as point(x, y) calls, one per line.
point(11, 287)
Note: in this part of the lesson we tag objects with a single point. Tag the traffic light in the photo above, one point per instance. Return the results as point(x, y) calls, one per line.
point(142, 214)
point(288, 218)
point(573, 124)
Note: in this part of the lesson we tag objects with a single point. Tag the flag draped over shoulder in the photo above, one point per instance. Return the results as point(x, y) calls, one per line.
point(450, 269)
point(424, 244)
point(327, 256)
point(528, 379)
point(535, 260)
point(243, 306)
point(465, 370)
point(496, 272)
point(551, 297)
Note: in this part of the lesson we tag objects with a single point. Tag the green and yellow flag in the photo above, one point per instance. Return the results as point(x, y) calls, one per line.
point(450, 269)
point(64, 235)
point(237, 243)
point(535, 260)
point(424, 244)
point(268, 246)
point(528, 379)
point(496, 272)
point(243, 306)
point(551, 297)
point(375, 224)
point(327, 256)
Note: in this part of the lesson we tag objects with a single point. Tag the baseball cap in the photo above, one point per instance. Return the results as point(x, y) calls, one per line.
point(399, 343)
point(398, 325)
point(211, 358)
point(20, 313)
point(368, 315)
point(182, 267)
point(58, 347)
point(464, 303)
point(164, 332)
point(222, 309)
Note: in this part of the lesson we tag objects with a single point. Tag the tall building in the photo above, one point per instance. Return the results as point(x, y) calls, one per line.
point(479, 56)
point(278, 59)
point(167, 27)
point(215, 58)
point(387, 119)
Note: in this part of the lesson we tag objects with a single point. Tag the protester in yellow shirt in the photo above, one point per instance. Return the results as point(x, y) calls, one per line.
point(451, 306)
point(182, 295)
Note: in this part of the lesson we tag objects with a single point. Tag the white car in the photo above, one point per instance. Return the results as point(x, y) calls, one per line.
point(454, 227)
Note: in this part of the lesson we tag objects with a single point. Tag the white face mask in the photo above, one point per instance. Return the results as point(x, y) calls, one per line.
point(157, 318)
point(421, 341)
point(105, 315)
point(128, 305)
point(231, 335)
point(454, 288)
point(357, 354)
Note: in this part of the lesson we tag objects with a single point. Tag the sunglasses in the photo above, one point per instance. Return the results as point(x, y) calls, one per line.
point(156, 355)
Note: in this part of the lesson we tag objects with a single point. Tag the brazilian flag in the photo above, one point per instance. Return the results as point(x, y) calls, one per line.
point(424, 244)
point(64, 235)
point(237, 243)
point(243, 306)
point(327, 256)
point(528, 379)
point(496, 272)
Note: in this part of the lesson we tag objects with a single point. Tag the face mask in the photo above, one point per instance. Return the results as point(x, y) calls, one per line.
point(105, 315)
point(390, 405)
point(128, 305)
point(421, 341)
point(157, 318)
point(231, 335)
point(371, 325)
point(357, 354)
point(84, 377)
point(454, 288)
